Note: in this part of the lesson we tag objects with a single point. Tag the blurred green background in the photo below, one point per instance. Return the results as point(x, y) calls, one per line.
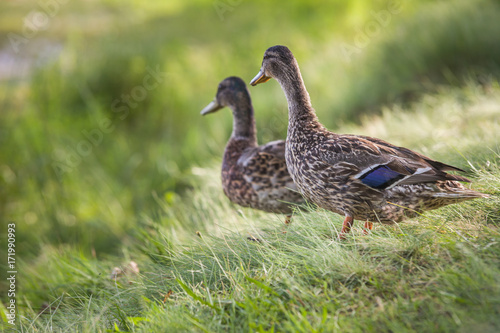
point(93, 151)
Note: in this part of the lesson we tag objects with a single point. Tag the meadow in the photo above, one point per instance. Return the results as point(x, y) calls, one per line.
point(111, 176)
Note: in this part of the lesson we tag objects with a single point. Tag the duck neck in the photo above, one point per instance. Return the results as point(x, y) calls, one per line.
point(300, 109)
point(244, 122)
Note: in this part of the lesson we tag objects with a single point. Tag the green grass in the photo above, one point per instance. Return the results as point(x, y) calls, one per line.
point(427, 81)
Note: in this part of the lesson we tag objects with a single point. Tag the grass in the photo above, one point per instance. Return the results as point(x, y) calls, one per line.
point(149, 190)
point(416, 277)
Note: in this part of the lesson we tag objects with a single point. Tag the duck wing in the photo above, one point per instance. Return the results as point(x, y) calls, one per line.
point(380, 165)
point(273, 152)
point(264, 167)
point(266, 164)
point(275, 148)
point(439, 165)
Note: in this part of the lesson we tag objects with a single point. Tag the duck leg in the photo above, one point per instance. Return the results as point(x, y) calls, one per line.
point(346, 227)
point(368, 226)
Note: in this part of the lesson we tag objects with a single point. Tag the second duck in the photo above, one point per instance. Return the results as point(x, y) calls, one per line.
point(252, 175)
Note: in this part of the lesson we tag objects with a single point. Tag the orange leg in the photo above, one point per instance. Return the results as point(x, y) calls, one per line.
point(368, 226)
point(288, 219)
point(346, 227)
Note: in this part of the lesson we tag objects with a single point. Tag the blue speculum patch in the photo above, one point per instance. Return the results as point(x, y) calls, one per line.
point(381, 177)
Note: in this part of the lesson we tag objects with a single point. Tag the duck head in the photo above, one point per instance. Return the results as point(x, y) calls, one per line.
point(231, 91)
point(277, 62)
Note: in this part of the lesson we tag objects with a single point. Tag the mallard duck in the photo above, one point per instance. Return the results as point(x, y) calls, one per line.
point(356, 176)
point(252, 175)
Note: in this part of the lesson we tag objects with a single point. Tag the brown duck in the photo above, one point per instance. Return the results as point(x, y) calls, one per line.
point(356, 176)
point(252, 175)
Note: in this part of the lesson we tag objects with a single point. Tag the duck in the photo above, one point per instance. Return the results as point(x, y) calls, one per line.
point(252, 175)
point(358, 177)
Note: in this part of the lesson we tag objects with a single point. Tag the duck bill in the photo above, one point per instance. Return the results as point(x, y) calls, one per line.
point(259, 78)
point(212, 107)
